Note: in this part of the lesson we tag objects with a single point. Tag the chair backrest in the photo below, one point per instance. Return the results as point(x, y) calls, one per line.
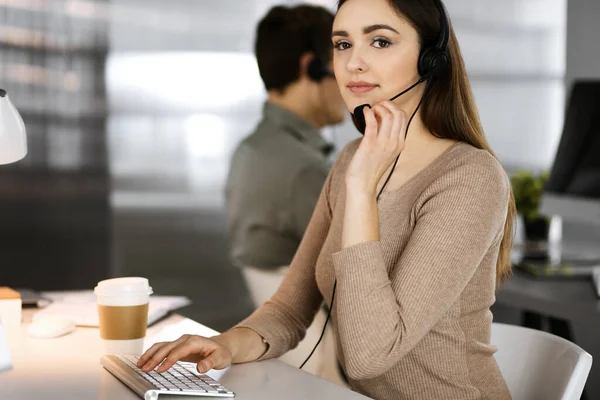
point(539, 365)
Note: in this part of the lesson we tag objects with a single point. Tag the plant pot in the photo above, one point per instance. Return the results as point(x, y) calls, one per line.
point(537, 230)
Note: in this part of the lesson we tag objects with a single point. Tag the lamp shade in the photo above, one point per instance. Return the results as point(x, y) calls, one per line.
point(13, 137)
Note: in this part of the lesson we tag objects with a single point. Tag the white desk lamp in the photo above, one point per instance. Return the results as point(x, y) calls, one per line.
point(13, 138)
point(13, 147)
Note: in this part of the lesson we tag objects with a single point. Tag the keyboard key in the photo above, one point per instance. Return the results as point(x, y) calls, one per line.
point(131, 359)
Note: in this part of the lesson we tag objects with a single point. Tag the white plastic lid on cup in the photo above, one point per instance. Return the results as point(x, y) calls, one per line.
point(121, 286)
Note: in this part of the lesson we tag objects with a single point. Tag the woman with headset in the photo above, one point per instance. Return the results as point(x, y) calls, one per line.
point(411, 235)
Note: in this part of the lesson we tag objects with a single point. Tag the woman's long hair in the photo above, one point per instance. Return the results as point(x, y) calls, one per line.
point(448, 108)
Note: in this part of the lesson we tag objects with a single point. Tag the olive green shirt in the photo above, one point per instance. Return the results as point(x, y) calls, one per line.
point(274, 182)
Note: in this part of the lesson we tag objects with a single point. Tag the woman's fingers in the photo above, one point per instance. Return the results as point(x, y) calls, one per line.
point(371, 124)
point(161, 353)
point(181, 351)
point(149, 353)
point(217, 360)
point(205, 352)
point(386, 121)
point(398, 130)
point(193, 349)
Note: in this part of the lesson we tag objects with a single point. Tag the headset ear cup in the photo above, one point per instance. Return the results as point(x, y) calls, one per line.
point(432, 63)
point(424, 67)
point(313, 70)
point(316, 70)
point(439, 63)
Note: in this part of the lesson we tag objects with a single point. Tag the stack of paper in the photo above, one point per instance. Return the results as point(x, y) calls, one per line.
point(81, 306)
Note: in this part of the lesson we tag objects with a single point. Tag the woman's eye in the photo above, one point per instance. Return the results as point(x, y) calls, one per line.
point(341, 45)
point(381, 43)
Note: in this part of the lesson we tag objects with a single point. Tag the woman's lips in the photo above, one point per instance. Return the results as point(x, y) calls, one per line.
point(361, 87)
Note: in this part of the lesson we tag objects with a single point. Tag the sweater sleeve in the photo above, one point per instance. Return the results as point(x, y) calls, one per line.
point(282, 321)
point(455, 228)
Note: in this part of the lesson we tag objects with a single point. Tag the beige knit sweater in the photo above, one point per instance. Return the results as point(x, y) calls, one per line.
point(411, 313)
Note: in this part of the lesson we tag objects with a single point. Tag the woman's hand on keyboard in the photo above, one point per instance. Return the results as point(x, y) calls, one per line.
point(207, 353)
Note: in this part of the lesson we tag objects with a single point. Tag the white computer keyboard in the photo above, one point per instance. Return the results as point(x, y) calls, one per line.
point(177, 380)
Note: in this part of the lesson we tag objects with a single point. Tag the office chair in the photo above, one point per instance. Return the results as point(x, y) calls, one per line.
point(539, 365)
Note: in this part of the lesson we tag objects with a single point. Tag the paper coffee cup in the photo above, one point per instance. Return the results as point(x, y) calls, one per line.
point(123, 314)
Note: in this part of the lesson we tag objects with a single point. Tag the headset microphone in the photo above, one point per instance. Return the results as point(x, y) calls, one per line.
point(358, 116)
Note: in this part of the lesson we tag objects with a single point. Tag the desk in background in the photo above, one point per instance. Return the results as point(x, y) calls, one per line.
point(570, 308)
point(557, 301)
point(68, 368)
point(571, 299)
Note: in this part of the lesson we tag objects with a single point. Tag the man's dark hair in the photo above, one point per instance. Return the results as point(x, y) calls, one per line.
point(286, 33)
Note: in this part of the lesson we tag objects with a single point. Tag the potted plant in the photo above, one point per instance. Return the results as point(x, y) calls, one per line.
point(527, 188)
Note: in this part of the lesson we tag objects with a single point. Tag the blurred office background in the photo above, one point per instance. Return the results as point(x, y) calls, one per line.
point(133, 108)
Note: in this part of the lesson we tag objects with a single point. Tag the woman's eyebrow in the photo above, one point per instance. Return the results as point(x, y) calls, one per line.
point(339, 33)
point(376, 27)
point(366, 30)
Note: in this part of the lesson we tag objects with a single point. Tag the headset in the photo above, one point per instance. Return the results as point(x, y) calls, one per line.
point(317, 69)
point(434, 60)
point(433, 63)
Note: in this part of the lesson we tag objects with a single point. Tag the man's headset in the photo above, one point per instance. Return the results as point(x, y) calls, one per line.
point(433, 63)
point(317, 69)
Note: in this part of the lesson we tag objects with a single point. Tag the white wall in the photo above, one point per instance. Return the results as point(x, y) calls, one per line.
point(169, 78)
point(583, 40)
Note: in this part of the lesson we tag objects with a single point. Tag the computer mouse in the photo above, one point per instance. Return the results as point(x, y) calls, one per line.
point(50, 326)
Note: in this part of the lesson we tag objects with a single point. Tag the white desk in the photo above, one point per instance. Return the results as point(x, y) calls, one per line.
point(68, 368)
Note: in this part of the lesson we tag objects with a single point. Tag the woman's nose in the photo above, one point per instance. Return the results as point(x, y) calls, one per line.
point(356, 63)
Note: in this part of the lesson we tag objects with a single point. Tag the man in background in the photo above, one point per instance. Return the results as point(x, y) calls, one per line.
point(278, 171)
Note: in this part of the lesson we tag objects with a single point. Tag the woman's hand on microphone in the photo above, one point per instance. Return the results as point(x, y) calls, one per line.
point(381, 145)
